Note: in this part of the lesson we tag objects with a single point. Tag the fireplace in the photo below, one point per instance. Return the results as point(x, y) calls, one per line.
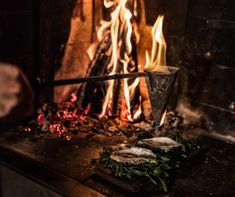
point(181, 39)
point(57, 43)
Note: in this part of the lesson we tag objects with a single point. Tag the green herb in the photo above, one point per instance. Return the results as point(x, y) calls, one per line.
point(160, 174)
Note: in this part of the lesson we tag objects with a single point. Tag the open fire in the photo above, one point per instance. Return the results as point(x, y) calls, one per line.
point(120, 29)
point(116, 53)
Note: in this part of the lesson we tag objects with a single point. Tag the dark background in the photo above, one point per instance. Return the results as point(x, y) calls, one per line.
point(33, 34)
point(17, 34)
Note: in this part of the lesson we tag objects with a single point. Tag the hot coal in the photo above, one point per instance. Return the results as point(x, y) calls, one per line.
point(69, 119)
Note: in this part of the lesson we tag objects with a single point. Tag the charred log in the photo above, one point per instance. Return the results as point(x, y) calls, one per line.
point(93, 93)
point(75, 61)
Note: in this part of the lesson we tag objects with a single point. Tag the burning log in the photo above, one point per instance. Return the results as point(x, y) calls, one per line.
point(75, 62)
point(86, 17)
point(146, 106)
point(145, 44)
point(116, 54)
point(118, 98)
point(93, 93)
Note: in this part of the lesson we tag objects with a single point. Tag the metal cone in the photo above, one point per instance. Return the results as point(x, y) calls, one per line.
point(159, 87)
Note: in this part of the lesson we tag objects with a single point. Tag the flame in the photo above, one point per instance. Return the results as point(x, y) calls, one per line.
point(91, 51)
point(108, 3)
point(157, 61)
point(163, 118)
point(135, 8)
point(129, 90)
point(73, 97)
point(119, 27)
point(138, 111)
point(102, 30)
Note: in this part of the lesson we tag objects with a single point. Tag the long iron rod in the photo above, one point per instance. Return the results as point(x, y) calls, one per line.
point(93, 79)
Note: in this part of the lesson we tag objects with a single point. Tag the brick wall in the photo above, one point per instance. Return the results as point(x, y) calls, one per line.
point(208, 62)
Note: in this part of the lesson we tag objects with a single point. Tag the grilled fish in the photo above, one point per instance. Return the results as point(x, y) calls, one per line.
point(137, 151)
point(134, 155)
point(132, 160)
point(159, 143)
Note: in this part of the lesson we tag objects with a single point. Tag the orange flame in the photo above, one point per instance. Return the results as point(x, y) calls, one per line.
point(157, 61)
point(119, 26)
point(163, 118)
point(138, 111)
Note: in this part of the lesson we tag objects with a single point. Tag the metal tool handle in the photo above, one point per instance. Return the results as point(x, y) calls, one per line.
point(92, 79)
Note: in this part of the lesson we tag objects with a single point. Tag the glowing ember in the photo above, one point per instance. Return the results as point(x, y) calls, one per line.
point(157, 61)
point(67, 119)
point(52, 120)
point(73, 97)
